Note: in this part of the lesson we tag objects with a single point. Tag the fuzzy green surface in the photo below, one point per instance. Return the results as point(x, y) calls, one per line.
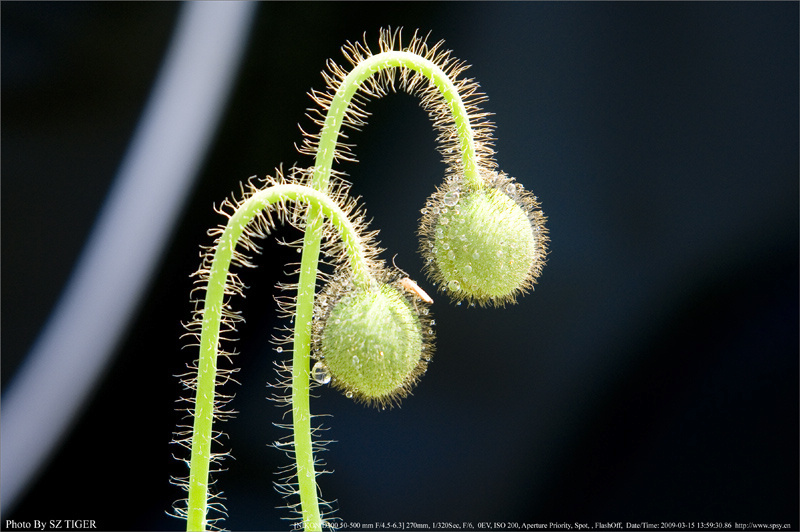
point(484, 246)
point(372, 342)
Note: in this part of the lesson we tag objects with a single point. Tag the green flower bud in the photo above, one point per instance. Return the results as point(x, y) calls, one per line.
point(484, 246)
point(372, 342)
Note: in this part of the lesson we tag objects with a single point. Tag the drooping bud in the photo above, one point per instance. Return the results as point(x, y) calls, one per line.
point(484, 246)
point(372, 342)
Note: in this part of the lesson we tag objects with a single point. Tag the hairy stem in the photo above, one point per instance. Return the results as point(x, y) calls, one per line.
point(326, 150)
point(301, 356)
point(363, 71)
point(209, 338)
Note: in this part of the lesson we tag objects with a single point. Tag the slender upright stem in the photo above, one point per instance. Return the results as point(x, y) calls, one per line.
point(301, 355)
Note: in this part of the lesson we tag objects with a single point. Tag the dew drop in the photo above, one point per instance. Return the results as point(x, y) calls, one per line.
point(279, 349)
point(445, 246)
point(453, 285)
point(451, 255)
point(348, 394)
point(451, 198)
point(444, 220)
point(467, 269)
point(424, 211)
point(320, 373)
point(511, 189)
point(355, 360)
point(476, 255)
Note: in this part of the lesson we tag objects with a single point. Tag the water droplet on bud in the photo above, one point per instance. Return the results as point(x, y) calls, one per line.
point(451, 198)
point(320, 373)
point(453, 285)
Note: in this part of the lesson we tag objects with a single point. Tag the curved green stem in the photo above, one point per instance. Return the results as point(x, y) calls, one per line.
point(364, 70)
point(326, 149)
point(209, 338)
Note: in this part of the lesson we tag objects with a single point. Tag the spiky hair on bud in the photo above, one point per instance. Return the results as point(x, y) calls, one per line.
point(391, 79)
point(483, 246)
point(372, 342)
point(264, 223)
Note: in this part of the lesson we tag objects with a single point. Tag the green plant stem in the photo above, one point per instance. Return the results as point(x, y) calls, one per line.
point(364, 70)
point(209, 338)
point(306, 476)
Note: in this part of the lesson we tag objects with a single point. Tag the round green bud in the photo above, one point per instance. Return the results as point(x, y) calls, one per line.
point(373, 343)
point(485, 246)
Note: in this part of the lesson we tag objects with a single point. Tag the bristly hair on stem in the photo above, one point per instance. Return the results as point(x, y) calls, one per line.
point(390, 74)
point(239, 251)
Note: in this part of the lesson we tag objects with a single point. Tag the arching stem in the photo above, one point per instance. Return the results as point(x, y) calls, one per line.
point(209, 338)
point(306, 476)
point(363, 71)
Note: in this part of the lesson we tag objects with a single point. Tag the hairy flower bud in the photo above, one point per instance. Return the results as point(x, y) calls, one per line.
point(372, 342)
point(484, 246)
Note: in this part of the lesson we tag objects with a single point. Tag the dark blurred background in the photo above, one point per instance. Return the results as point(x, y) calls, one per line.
point(653, 373)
